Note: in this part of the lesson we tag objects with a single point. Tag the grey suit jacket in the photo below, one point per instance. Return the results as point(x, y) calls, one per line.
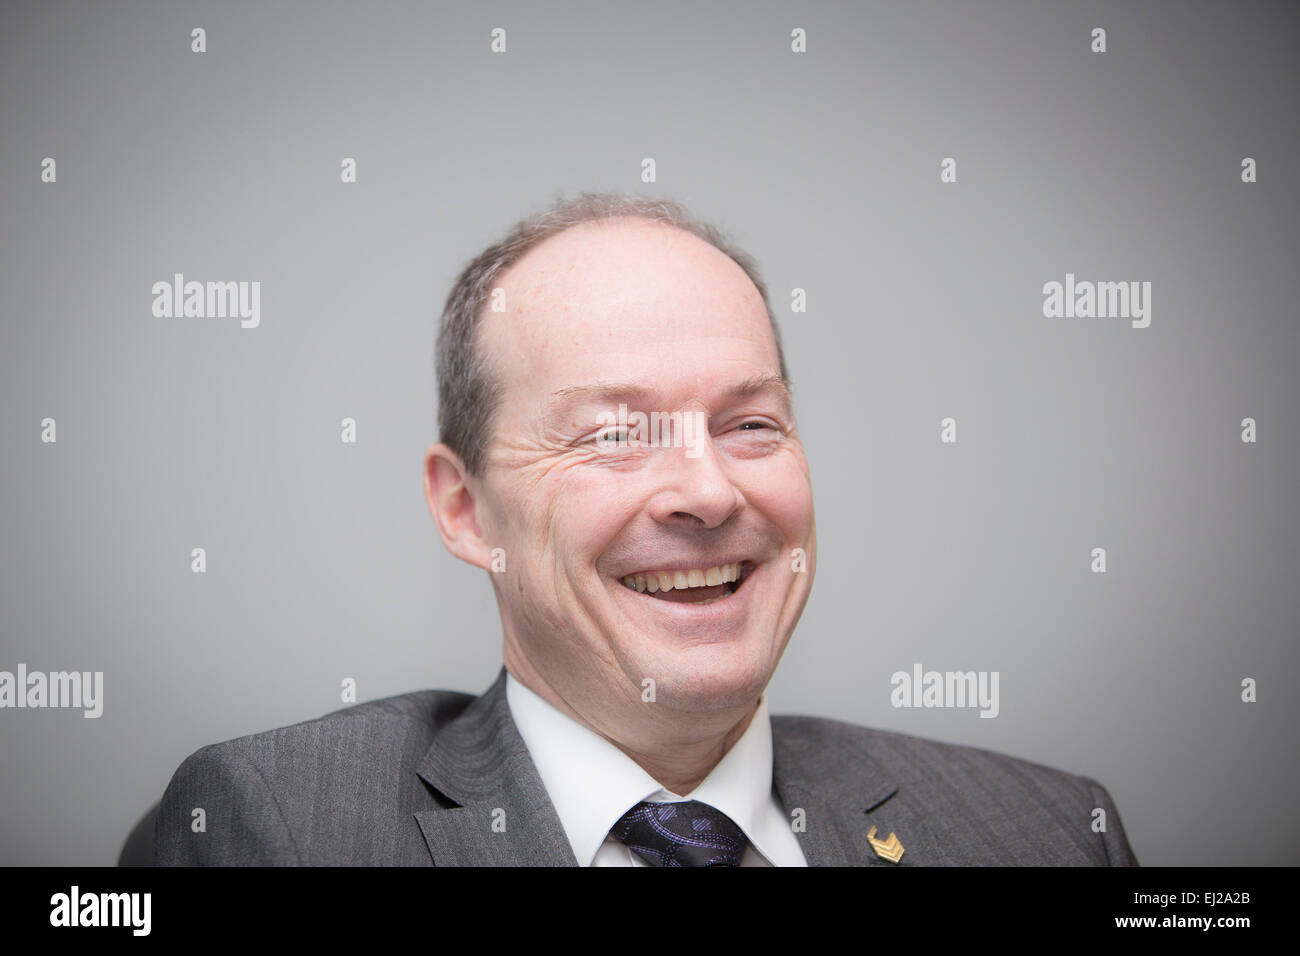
point(443, 778)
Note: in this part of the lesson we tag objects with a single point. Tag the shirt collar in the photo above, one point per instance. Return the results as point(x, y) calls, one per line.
point(592, 783)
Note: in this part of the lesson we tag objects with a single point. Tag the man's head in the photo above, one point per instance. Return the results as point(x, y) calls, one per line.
point(608, 301)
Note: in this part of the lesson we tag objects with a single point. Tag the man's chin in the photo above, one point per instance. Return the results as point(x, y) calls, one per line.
point(700, 657)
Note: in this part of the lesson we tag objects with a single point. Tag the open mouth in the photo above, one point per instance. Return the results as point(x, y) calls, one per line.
point(698, 586)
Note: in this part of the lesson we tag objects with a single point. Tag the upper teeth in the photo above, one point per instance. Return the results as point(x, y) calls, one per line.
point(670, 580)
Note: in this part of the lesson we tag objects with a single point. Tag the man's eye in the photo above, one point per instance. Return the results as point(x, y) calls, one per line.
point(755, 425)
point(611, 437)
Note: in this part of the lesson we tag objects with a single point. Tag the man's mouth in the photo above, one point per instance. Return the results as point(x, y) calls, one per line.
point(691, 585)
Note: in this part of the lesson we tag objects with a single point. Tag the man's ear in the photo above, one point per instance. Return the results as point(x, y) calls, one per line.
point(452, 504)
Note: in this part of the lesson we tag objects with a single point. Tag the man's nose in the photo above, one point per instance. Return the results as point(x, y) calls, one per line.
point(695, 488)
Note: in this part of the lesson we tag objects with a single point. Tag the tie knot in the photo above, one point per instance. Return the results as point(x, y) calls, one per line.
point(688, 833)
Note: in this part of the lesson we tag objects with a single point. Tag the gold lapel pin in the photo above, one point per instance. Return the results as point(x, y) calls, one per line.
point(891, 849)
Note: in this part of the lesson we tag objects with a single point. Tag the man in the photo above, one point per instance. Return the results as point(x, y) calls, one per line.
point(619, 453)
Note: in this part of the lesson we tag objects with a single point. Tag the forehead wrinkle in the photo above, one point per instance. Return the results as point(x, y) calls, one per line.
point(564, 398)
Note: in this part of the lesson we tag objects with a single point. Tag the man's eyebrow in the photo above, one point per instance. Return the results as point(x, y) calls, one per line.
point(597, 390)
point(762, 383)
point(628, 391)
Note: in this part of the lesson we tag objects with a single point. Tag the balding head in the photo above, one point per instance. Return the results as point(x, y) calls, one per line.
point(468, 394)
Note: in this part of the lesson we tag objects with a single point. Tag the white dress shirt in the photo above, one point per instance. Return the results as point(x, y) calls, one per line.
point(592, 784)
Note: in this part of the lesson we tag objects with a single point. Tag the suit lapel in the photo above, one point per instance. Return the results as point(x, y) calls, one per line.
point(836, 790)
point(502, 814)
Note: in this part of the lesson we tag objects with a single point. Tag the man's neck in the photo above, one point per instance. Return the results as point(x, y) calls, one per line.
point(678, 755)
point(680, 769)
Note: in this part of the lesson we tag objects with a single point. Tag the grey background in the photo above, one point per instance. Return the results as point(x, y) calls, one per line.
point(924, 302)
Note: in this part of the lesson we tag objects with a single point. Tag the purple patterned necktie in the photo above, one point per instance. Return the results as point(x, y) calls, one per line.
point(688, 833)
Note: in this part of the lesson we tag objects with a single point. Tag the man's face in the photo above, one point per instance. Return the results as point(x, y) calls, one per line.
point(637, 313)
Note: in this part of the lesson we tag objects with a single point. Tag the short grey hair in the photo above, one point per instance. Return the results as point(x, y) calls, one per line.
point(468, 395)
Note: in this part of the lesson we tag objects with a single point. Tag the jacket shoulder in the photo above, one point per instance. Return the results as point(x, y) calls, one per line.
point(372, 732)
point(978, 803)
point(910, 758)
point(333, 789)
